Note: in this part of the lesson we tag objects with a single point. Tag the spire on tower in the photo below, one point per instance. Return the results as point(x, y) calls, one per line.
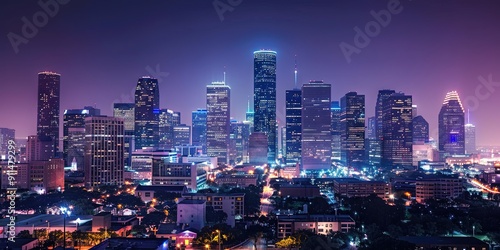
point(295, 72)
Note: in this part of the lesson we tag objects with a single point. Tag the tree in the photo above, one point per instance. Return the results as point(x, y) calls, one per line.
point(40, 234)
point(215, 216)
point(166, 196)
point(56, 237)
point(24, 234)
point(287, 242)
point(153, 218)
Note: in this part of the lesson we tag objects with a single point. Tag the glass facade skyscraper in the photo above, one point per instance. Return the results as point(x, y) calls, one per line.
point(397, 131)
point(127, 113)
point(147, 110)
point(378, 150)
point(218, 121)
point(293, 125)
point(265, 99)
point(199, 125)
point(352, 120)
point(451, 126)
point(420, 130)
point(316, 126)
point(470, 139)
point(49, 95)
point(336, 130)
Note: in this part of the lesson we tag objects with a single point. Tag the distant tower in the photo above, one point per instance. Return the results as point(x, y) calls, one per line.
point(470, 136)
point(199, 126)
point(420, 130)
point(336, 130)
point(451, 126)
point(382, 95)
point(316, 126)
point(352, 120)
point(265, 99)
point(126, 111)
point(218, 121)
point(147, 110)
point(249, 117)
point(49, 95)
point(293, 125)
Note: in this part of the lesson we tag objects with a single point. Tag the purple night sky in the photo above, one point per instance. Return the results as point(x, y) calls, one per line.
point(101, 48)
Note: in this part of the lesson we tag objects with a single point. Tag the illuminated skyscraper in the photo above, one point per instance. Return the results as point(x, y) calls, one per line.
point(127, 113)
point(352, 120)
point(336, 130)
point(249, 117)
point(218, 120)
point(397, 131)
point(265, 99)
point(73, 131)
point(147, 110)
point(377, 151)
point(49, 90)
point(293, 125)
point(104, 150)
point(199, 125)
point(451, 126)
point(239, 139)
point(168, 120)
point(6, 134)
point(420, 130)
point(316, 126)
point(182, 135)
point(470, 139)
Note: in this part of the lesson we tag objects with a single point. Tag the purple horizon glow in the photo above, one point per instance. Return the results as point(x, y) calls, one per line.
point(102, 48)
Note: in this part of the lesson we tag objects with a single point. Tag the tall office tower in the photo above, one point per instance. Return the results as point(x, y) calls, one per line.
point(146, 113)
point(336, 130)
point(249, 117)
point(239, 138)
point(104, 150)
point(168, 120)
point(414, 111)
point(451, 126)
point(73, 140)
point(316, 126)
point(265, 99)
point(352, 120)
point(382, 95)
point(470, 139)
point(397, 131)
point(293, 113)
point(257, 150)
point(420, 130)
point(126, 112)
point(182, 135)
point(199, 125)
point(49, 90)
point(283, 143)
point(218, 120)
point(6, 134)
point(39, 148)
point(371, 142)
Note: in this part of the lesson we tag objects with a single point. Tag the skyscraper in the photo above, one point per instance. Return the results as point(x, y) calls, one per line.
point(218, 120)
point(470, 139)
point(104, 151)
point(336, 130)
point(146, 113)
point(49, 90)
point(239, 139)
point(293, 125)
point(249, 117)
point(126, 111)
point(372, 144)
point(265, 99)
point(6, 134)
point(316, 126)
point(352, 120)
point(451, 126)
point(182, 135)
point(382, 95)
point(73, 140)
point(420, 130)
point(168, 120)
point(397, 131)
point(199, 125)
point(39, 148)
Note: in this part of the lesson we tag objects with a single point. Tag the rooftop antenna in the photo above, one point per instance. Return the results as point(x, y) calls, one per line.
point(295, 72)
point(224, 74)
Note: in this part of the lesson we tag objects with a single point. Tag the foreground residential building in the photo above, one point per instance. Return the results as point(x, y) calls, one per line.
point(319, 224)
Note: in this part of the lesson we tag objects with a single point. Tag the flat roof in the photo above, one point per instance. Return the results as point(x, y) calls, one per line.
point(132, 243)
point(443, 241)
point(160, 188)
point(315, 217)
point(214, 194)
point(42, 219)
point(191, 202)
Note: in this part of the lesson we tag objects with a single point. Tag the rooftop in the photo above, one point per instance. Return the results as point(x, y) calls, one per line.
point(443, 241)
point(160, 188)
point(191, 202)
point(132, 243)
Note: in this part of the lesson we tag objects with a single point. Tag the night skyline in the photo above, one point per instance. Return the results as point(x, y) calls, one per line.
point(426, 50)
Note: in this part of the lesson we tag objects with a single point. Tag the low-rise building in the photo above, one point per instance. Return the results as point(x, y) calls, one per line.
point(236, 180)
point(147, 193)
point(191, 213)
point(438, 187)
point(442, 242)
point(193, 175)
point(299, 190)
point(352, 187)
point(319, 224)
point(231, 204)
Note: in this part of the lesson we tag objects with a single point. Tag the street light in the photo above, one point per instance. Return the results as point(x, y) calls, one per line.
point(65, 212)
point(218, 238)
point(473, 230)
